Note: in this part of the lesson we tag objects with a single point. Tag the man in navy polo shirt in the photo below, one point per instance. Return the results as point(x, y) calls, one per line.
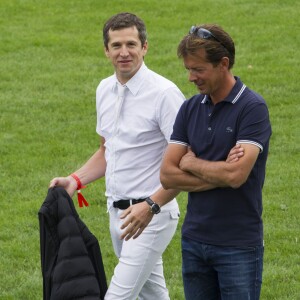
point(222, 234)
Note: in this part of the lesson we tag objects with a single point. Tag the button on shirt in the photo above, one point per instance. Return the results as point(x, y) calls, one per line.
point(136, 129)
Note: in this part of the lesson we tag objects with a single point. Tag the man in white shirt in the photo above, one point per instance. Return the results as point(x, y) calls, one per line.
point(136, 109)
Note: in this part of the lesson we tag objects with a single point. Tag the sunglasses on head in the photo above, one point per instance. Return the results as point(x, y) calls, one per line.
point(204, 34)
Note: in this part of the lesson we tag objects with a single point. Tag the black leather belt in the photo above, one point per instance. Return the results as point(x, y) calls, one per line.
point(124, 204)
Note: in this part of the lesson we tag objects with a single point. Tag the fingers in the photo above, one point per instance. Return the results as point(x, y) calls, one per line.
point(233, 159)
point(125, 214)
point(235, 154)
point(53, 182)
point(132, 231)
point(126, 223)
point(137, 233)
point(61, 181)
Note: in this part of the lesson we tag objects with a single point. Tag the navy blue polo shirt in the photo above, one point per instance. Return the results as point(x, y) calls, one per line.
point(225, 216)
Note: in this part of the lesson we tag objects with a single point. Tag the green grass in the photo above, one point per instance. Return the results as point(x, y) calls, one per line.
point(51, 62)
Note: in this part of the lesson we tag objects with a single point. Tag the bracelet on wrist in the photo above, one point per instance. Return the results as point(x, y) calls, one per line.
point(81, 200)
point(79, 184)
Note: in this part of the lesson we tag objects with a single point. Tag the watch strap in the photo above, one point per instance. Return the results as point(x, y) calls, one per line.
point(154, 207)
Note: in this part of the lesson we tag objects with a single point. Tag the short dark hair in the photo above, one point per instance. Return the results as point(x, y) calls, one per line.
point(216, 48)
point(121, 21)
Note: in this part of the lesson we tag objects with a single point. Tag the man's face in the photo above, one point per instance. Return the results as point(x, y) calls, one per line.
point(125, 52)
point(203, 74)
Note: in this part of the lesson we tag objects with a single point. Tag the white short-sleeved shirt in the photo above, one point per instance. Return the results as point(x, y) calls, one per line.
point(137, 135)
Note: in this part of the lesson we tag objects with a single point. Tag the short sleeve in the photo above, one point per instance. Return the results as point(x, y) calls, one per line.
point(255, 127)
point(179, 134)
point(167, 110)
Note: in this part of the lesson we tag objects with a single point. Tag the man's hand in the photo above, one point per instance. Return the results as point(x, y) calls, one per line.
point(68, 183)
point(187, 160)
point(137, 217)
point(235, 154)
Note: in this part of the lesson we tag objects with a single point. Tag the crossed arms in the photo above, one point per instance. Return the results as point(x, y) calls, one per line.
point(181, 169)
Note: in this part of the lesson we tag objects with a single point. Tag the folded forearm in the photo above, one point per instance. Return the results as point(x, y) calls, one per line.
point(184, 181)
point(217, 173)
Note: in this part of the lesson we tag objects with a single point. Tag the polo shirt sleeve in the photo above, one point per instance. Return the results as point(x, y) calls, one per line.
point(179, 135)
point(167, 110)
point(254, 127)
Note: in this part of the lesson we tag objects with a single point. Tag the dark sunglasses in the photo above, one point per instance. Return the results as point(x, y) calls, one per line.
point(204, 34)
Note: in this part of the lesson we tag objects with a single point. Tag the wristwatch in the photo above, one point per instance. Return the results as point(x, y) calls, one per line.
point(154, 207)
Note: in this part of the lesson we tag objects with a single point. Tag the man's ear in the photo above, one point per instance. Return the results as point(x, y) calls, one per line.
point(106, 51)
point(145, 47)
point(224, 62)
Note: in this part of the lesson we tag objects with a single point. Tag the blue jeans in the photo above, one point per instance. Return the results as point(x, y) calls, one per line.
point(218, 272)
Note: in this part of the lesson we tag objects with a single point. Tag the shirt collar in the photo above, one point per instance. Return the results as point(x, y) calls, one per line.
point(135, 82)
point(234, 94)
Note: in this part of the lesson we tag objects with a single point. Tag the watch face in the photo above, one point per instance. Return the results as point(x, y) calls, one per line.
point(155, 208)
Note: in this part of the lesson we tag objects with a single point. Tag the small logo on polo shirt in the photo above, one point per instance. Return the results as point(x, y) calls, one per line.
point(229, 129)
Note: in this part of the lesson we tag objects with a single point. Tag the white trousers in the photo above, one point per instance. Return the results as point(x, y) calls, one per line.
point(139, 273)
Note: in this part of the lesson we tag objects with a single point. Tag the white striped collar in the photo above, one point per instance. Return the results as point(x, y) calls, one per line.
point(236, 98)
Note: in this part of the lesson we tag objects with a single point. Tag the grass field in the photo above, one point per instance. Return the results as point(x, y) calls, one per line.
point(51, 62)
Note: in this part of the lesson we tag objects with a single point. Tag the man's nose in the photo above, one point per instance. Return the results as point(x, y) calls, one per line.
point(192, 76)
point(124, 51)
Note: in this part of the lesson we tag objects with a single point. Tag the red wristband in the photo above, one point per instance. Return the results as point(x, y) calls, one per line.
point(81, 200)
point(79, 184)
